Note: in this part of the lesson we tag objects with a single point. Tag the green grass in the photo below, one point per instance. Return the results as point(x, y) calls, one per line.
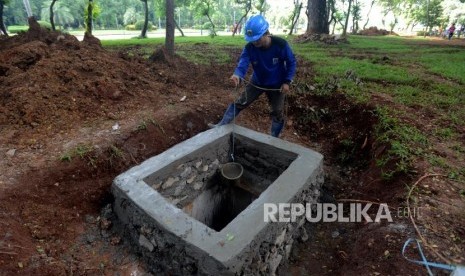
point(448, 64)
point(406, 141)
point(159, 41)
point(17, 28)
point(81, 151)
point(201, 50)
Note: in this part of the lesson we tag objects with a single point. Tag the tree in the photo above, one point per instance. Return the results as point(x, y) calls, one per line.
point(368, 14)
point(317, 17)
point(169, 38)
point(27, 6)
point(429, 15)
point(394, 7)
point(57, 13)
point(356, 16)
point(262, 7)
point(77, 9)
point(335, 16)
point(52, 22)
point(295, 15)
point(130, 16)
point(160, 10)
point(91, 13)
point(89, 17)
point(206, 8)
point(247, 5)
point(344, 31)
point(338, 19)
point(178, 26)
point(179, 4)
point(2, 23)
point(146, 19)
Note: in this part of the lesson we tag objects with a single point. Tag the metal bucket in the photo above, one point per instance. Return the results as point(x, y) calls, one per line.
point(232, 172)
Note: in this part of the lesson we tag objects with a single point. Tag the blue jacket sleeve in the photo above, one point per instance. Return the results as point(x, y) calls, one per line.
point(243, 64)
point(291, 63)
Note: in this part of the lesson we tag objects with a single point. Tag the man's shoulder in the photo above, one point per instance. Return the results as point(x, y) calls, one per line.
point(249, 45)
point(281, 42)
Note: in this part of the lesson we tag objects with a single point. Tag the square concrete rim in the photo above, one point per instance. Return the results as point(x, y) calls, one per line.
point(242, 230)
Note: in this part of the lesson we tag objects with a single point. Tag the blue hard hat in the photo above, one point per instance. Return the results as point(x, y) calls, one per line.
point(255, 28)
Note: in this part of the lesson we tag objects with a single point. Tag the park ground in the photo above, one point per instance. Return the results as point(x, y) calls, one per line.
point(74, 115)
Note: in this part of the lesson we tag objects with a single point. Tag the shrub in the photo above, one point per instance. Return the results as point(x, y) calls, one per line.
point(140, 24)
point(45, 24)
point(207, 26)
point(130, 27)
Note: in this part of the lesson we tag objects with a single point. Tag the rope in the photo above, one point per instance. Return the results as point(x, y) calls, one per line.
point(423, 258)
point(261, 88)
point(246, 99)
point(234, 126)
point(285, 105)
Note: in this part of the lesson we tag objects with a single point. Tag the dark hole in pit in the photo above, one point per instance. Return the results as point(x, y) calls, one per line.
point(195, 184)
point(221, 201)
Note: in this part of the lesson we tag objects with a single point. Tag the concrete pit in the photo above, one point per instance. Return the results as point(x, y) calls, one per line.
point(184, 217)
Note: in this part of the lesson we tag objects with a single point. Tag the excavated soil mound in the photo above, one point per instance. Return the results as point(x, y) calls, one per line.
point(323, 38)
point(49, 78)
point(373, 31)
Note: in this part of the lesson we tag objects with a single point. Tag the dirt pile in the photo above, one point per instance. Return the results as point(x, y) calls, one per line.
point(50, 78)
point(373, 31)
point(324, 38)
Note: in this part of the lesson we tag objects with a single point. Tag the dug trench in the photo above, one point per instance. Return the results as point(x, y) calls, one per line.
point(52, 221)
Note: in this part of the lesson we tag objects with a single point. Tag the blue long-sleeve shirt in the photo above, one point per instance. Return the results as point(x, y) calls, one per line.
point(272, 66)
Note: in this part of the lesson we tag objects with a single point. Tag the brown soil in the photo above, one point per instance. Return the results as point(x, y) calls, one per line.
point(60, 103)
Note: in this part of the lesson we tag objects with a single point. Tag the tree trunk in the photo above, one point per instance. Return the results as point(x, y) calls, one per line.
point(317, 17)
point(146, 20)
point(295, 18)
point(239, 23)
point(248, 7)
point(89, 17)
point(353, 20)
point(179, 28)
point(344, 32)
point(213, 25)
point(169, 38)
point(368, 14)
point(52, 21)
point(330, 11)
point(2, 24)
point(27, 6)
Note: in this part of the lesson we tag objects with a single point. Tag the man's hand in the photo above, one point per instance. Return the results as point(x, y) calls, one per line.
point(236, 80)
point(285, 88)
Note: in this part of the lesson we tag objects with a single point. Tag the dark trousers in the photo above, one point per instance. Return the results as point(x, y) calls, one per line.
point(275, 99)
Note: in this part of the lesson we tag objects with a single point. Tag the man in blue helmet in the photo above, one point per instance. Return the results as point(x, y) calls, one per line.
point(274, 67)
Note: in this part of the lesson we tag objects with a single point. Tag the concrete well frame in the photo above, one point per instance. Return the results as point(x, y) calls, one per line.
point(172, 241)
